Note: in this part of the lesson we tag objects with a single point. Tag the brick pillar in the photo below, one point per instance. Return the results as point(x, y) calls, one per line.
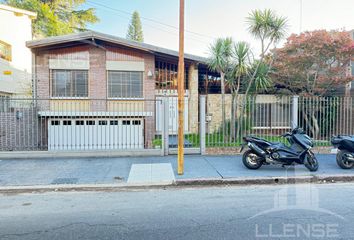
point(149, 96)
point(42, 78)
point(97, 79)
point(193, 98)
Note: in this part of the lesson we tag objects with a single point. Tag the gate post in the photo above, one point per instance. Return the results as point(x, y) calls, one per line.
point(165, 122)
point(294, 111)
point(202, 124)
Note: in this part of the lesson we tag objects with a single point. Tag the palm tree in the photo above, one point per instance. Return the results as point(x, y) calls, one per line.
point(240, 68)
point(262, 81)
point(269, 28)
point(219, 61)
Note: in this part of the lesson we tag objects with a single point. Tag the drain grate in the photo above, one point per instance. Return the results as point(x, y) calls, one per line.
point(65, 181)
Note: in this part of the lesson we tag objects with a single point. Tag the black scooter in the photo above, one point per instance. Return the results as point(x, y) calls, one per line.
point(345, 154)
point(264, 152)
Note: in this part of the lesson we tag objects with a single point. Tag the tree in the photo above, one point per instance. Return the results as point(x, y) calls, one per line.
point(313, 63)
point(219, 61)
point(269, 28)
point(135, 30)
point(240, 68)
point(262, 80)
point(56, 17)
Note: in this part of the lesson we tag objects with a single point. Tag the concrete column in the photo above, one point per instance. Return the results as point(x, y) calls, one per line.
point(202, 123)
point(193, 98)
point(294, 111)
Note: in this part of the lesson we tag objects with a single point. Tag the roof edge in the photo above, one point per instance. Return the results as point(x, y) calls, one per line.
point(108, 38)
point(18, 10)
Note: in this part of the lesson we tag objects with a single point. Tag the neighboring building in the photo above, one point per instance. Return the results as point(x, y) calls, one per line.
point(351, 70)
point(15, 57)
point(115, 82)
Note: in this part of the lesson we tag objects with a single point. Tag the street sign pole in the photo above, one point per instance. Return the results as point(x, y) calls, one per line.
point(180, 83)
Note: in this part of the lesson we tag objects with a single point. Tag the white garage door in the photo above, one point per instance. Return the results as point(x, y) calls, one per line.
point(90, 134)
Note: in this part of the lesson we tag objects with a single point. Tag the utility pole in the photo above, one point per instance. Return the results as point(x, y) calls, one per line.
point(300, 16)
point(180, 85)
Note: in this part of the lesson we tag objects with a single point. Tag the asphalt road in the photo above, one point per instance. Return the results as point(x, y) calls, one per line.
point(252, 212)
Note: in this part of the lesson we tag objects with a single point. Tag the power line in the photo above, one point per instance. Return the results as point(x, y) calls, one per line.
point(149, 25)
point(151, 20)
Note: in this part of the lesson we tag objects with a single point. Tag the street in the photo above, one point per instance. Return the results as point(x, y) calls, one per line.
point(236, 212)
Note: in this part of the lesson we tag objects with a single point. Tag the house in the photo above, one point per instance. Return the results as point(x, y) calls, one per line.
point(94, 91)
point(15, 57)
point(106, 91)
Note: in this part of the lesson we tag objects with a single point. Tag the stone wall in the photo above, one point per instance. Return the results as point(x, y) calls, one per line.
point(193, 100)
point(214, 108)
point(214, 111)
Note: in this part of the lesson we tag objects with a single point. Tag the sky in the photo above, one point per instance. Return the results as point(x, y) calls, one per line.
point(206, 20)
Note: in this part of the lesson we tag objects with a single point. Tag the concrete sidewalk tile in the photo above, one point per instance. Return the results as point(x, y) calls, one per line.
point(151, 173)
point(162, 172)
point(148, 169)
point(195, 166)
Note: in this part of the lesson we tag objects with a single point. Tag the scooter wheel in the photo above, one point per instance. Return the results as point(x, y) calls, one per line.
point(311, 162)
point(251, 160)
point(342, 160)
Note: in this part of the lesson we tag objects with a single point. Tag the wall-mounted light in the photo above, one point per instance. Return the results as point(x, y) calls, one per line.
point(150, 74)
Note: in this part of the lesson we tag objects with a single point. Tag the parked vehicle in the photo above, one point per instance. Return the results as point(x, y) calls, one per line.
point(345, 154)
point(262, 151)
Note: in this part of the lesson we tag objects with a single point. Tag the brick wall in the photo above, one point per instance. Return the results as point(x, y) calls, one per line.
point(42, 74)
point(149, 95)
point(20, 129)
point(97, 78)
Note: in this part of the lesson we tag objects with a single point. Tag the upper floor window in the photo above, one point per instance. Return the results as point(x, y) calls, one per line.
point(5, 51)
point(69, 83)
point(125, 84)
point(166, 75)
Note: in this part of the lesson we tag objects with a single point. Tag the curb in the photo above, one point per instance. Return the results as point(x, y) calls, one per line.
point(315, 179)
point(81, 188)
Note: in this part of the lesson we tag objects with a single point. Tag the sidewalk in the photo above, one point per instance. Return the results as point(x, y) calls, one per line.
point(145, 171)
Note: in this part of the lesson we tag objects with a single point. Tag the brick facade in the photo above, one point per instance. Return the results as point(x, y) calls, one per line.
point(20, 129)
point(149, 95)
point(97, 78)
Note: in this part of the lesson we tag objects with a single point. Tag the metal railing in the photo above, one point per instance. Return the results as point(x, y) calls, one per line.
point(77, 124)
point(123, 124)
point(268, 116)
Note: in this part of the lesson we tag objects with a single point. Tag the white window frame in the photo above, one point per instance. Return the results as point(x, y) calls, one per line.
point(124, 97)
point(74, 95)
